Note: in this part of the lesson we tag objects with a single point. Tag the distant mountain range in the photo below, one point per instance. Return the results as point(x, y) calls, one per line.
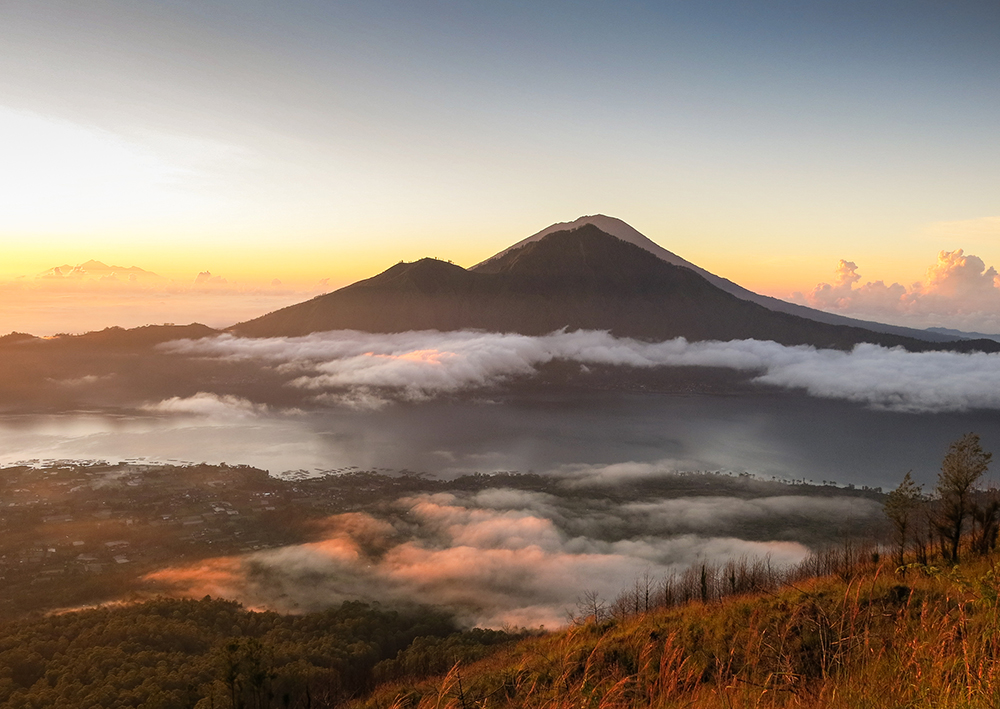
point(99, 270)
point(962, 335)
point(581, 276)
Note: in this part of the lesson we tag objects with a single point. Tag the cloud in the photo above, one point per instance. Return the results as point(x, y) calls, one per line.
point(718, 515)
point(84, 381)
point(962, 277)
point(959, 289)
point(496, 557)
point(590, 475)
point(895, 379)
point(206, 404)
point(366, 370)
point(205, 278)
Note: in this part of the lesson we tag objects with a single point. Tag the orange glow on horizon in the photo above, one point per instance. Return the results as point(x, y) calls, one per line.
point(258, 276)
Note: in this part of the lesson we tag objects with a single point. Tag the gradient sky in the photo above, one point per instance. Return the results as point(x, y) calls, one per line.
point(302, 140)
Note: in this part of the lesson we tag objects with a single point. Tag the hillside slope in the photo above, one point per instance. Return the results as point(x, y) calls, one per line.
point(865, 638)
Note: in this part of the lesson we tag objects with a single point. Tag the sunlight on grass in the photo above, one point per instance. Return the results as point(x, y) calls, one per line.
point(868, 636)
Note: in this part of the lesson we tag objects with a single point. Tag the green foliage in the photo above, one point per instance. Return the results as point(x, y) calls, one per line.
point(431, 655)
point(962, 467)
point(183, 653)
point(900, 507)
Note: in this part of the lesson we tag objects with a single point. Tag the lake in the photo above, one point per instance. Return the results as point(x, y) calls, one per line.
point(773, 433)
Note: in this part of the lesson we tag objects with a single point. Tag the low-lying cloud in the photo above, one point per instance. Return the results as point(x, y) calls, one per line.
point(365, 369)
point(207, 404)
point(493, 558)
point(959, 289)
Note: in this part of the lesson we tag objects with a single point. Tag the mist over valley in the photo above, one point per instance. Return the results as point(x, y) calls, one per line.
point(574, 412)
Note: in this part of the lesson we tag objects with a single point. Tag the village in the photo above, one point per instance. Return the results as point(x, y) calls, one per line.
point(82, 532)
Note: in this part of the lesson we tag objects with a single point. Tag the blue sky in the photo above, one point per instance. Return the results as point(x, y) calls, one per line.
point(302, 140)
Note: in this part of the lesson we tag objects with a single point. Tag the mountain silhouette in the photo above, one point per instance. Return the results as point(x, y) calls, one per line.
point(583, 278)
point(625, 232)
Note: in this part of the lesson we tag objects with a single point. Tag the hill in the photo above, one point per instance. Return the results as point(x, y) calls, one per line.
point(862, 637)
point(578, 279)
point(68, 372)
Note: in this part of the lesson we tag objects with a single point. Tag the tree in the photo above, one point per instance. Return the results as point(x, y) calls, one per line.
point(900, 507)
point(963, 465)
point(591, 606)
point(986, 521)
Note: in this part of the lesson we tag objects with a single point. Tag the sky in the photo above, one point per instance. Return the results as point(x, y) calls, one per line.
point(781, 145)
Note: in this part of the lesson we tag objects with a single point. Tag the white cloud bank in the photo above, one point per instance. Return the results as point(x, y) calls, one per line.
point(355, 367)
point(960, 290)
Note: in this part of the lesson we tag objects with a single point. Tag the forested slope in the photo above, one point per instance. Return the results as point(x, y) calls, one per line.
point(173, 654)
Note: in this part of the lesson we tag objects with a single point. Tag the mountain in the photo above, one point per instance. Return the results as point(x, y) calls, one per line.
point(625, 232)
point(110, 339)
point(582, 278)
point(962, 335)
point(96, 269)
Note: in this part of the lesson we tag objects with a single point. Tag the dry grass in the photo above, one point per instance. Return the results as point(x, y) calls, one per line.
point(864, 637)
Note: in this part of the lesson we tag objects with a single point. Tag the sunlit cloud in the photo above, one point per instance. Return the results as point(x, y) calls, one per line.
point(205, 404)
point(959, 289)
point(211, 577)
point(493, 558)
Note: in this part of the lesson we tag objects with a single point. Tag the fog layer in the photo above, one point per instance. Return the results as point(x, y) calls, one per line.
point(367, 369)
point(514, 556)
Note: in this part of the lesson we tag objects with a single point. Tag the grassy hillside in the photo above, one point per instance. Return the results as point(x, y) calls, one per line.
point(873, 638)
point(868, 636)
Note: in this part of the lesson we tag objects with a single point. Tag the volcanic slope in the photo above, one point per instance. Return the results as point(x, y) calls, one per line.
point(625, 232)
point(578, 279)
